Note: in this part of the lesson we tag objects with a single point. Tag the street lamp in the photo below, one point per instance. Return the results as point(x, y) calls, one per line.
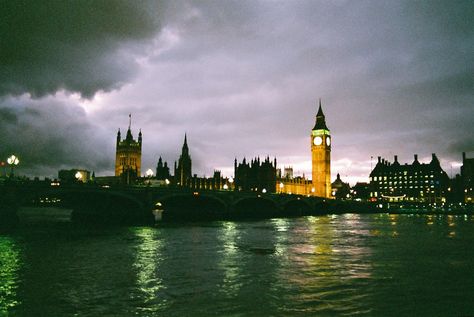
point(13, 161)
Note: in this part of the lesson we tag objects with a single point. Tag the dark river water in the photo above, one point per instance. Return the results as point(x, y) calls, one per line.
point(375, 265)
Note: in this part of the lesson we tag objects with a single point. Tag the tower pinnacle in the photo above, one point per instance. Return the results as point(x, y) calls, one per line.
point(320, 119)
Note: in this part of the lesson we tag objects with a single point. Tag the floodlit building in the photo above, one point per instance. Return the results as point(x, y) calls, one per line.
point(417, 182)
point(128, 156)
point(320, 185)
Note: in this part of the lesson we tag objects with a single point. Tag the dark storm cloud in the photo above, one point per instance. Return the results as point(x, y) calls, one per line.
point(79, 46)
point(243, 78)
point(48, 135)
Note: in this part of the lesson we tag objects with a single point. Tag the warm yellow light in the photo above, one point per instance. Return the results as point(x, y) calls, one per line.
point(231, 180)
point(167, 181)
point(226, 187)
point(78, 176)
point(264, 190)
point(281, 185)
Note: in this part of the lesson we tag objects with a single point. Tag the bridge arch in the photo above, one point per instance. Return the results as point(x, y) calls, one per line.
point(191, 207)
point(109, 207)
point(296, 207)
point(254, 208)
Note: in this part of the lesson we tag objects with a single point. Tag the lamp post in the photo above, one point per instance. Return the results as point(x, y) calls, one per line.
point(12, 161)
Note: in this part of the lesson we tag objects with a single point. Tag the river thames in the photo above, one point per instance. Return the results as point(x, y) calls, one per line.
point(373, 265)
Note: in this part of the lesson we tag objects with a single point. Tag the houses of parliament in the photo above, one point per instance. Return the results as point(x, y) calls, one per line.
point(255, 175)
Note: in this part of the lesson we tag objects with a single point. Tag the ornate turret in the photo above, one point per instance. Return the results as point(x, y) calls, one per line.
point(185, 148)
point(140, 137)
point(118, 136)
point(184, 170)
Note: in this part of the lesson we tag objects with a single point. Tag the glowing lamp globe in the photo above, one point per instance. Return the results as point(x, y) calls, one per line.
point(78, 176)
point(13, 160)
point(149, 173)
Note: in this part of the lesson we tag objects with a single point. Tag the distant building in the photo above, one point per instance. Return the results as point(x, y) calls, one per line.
point(456, 192)
point(417, 182)
point(467, 176)
point(128, 156)
point(361, 191)
point(216, 182)
point(340, 190)
point(74, 176)
point(255, 176)
point(183, 170)
point(162, 170)
point(288, 172)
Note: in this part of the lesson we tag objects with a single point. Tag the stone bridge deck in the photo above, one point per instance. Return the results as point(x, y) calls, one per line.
point(125, 204)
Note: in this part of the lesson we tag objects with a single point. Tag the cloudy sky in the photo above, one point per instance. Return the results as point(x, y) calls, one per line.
point(241, 78)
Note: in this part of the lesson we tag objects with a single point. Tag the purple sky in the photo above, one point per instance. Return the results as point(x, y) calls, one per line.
point(241, 78)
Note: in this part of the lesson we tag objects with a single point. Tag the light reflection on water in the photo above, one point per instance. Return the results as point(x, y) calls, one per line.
point(229, 260)
point(147, 262)
point(9, 266)
point(348, 264)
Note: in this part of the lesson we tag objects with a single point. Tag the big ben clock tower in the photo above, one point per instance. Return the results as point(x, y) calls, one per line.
point(321, 156)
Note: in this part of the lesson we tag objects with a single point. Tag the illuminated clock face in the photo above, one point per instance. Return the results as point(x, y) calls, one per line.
point(328, 140)
point(318, 140)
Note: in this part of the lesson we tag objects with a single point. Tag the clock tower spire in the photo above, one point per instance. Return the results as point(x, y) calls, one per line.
point(321, 156)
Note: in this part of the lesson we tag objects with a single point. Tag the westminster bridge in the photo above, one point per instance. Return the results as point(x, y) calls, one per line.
point(136, 204)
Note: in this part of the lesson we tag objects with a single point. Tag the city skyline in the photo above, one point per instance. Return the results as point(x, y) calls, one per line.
point(242, 79)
